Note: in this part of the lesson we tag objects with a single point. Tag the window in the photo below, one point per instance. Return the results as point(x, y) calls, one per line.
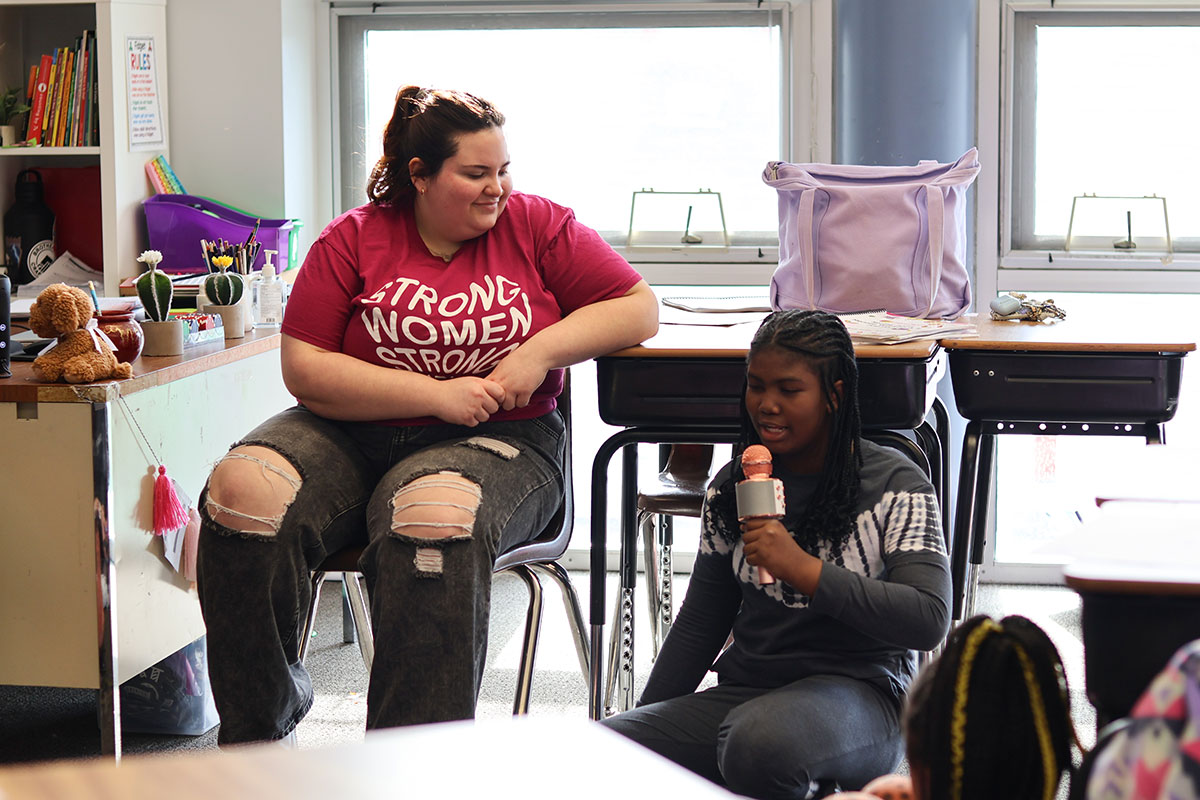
point(1083, 97)
point(1096, 135)
point(600, 103)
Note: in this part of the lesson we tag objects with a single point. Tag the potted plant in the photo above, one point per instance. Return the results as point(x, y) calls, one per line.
point(11, 108)
point(224, 291)
point(163, 335)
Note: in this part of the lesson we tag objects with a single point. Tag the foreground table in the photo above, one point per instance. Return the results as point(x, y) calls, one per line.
point(533, 757)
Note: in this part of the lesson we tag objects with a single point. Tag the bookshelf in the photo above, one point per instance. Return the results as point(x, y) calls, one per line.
point(29, 28)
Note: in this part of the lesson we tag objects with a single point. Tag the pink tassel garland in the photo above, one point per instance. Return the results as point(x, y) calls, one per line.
point(169, 513)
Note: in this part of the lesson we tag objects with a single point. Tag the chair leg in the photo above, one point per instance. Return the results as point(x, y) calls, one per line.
point(356, 594)
point(533, 629)
point(310, 619)
point(648, 525)
point(348, 632)
point(619, 694)
point(665, 608)
point(555, 572)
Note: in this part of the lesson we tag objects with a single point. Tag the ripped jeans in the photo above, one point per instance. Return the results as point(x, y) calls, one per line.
point(430, 593)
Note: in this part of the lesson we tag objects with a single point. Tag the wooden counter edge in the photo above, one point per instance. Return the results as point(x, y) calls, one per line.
point(148, 372)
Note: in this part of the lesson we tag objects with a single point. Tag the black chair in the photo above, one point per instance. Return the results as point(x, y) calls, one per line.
point(528, 560)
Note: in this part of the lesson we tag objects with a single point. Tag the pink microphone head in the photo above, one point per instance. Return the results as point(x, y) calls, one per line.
point(756, 462)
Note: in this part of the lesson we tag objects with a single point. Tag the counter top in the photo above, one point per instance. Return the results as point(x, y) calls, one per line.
point(24, 387)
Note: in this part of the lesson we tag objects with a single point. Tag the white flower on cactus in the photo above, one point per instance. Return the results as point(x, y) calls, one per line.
point(150, 257)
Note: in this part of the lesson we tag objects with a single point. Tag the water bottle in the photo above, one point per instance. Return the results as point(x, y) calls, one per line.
point(28, 230)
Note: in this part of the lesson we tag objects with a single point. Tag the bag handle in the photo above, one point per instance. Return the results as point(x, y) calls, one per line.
point(935, 218)
point(804, 223)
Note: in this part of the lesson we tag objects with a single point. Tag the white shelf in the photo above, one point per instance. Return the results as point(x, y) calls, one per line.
point(33, 27)
point(47, 152)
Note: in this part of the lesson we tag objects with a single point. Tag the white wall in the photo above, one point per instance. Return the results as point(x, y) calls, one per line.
point(243, 90)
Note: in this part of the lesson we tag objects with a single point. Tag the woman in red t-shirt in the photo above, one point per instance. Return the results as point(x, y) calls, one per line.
point(424, 340)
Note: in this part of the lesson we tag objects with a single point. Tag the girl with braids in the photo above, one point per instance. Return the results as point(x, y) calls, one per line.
point(810, 687)
point(425, 341)
point(990, 718)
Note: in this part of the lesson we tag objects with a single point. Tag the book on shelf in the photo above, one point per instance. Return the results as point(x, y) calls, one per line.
point(40, 89)
point(880, 327)
point(51, 95)
point(62, 95)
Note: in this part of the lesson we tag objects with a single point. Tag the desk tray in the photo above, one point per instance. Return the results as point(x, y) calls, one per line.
point(893, 394)
point(1066, 387)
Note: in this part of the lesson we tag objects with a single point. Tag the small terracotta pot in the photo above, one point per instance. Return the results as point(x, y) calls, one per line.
point(123, 332)
point(163, 338)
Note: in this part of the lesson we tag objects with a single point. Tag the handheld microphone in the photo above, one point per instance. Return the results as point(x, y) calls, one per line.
point(759, 496)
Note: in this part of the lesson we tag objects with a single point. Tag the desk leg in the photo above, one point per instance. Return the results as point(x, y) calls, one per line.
point(598, 560)
point(979, 517)
point(960, 548)
point(598, 568)
point(106, 583)
point(619, 693)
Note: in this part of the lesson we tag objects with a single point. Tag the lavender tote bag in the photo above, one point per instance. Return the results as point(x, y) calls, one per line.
point(859, 238)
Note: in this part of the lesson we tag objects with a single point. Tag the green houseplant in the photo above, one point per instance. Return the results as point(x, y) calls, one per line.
point(163, 335)
point(11, 108)
point(224, 291)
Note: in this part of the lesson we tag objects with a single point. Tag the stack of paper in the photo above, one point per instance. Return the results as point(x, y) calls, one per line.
point(880, 327)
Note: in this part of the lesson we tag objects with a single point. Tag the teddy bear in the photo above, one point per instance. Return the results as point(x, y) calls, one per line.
point(81, 354)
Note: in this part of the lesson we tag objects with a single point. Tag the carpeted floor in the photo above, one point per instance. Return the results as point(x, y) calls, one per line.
point(38, 723)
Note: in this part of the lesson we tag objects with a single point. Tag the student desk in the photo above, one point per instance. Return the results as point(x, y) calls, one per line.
point(683, 385)
point(1137, 572)
point(530, 757)
point(87, 598)
point(1094, 373)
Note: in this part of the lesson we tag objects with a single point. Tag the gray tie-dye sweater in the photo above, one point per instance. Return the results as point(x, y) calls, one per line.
point(883, 595)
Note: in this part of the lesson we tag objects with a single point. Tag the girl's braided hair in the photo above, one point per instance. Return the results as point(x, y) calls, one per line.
point(991, 717)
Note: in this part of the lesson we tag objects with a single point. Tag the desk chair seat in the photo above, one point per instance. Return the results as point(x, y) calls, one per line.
point(529, 560)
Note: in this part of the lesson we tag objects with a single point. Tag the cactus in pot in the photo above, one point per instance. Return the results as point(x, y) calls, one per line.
point(163, 334)
point(223, 288)
point(154, 288)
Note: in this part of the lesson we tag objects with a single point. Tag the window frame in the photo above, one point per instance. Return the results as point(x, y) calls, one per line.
point(805, 85)
point(1005, 182)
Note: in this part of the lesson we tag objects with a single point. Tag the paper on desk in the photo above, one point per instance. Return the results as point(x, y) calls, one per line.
point(65, 269)
point(20, 305)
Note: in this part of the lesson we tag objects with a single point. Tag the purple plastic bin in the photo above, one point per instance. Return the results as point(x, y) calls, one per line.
point(177, 222)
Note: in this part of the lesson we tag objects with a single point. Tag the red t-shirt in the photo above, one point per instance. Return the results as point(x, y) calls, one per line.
point(370, 288)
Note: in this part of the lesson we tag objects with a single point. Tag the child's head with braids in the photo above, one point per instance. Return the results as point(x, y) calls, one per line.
point(991, 717)
point(801, 401)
